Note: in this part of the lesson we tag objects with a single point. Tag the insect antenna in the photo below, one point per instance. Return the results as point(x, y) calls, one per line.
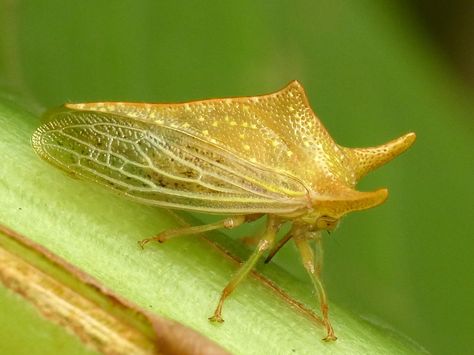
point(277, 247)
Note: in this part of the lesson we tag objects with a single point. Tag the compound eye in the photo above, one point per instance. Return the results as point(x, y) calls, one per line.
point(326, 222)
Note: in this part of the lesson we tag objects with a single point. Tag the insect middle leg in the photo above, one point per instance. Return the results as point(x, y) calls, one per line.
point(314, 271)
point(229, 223)
point(265, 243)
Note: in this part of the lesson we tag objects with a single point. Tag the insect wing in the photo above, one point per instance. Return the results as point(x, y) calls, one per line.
point(162, 166)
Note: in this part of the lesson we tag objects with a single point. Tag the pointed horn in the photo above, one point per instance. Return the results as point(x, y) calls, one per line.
point(368, 159)
point(351, 200)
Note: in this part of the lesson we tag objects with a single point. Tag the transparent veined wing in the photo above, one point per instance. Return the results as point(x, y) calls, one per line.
point(162, 165)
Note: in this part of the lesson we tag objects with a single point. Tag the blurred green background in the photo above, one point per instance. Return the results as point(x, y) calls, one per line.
point(372, 71)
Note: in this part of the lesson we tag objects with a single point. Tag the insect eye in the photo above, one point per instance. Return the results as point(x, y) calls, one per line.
point(326, 222)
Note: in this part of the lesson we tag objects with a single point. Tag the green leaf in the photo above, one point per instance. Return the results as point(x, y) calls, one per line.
point(98, 232)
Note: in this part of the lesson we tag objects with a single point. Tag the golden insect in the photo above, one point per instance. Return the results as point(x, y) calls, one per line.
point(244, 157)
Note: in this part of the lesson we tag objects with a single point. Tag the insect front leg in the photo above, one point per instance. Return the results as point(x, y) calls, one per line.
point(265, 243)
point(314, 271)
point(229, 223)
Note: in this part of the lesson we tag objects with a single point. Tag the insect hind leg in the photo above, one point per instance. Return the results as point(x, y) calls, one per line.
point(229, 223)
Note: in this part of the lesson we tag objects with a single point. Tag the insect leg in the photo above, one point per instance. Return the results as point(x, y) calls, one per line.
point(277, 247)
point(307, 256)
point(265, 243)
point(229, 223)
